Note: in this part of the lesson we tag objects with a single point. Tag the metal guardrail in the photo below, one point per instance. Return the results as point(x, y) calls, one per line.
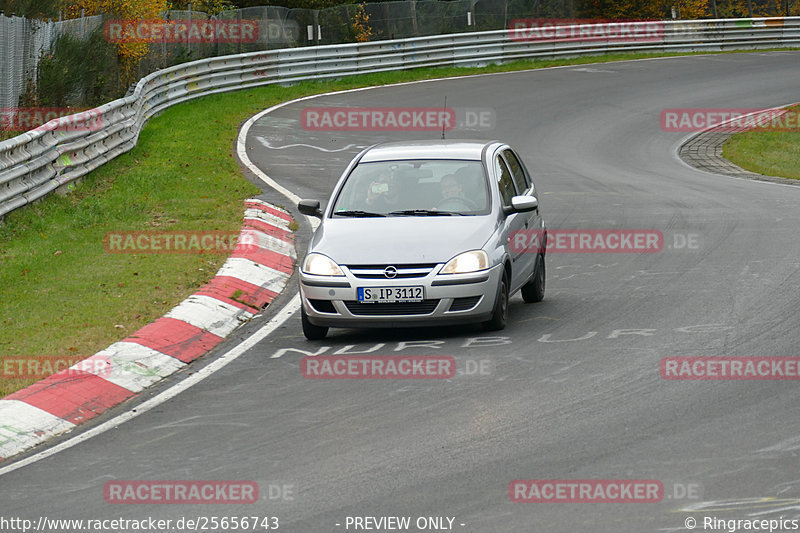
point(40, 161)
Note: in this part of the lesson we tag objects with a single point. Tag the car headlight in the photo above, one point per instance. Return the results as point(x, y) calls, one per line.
point(321, 265)
point(471, 261)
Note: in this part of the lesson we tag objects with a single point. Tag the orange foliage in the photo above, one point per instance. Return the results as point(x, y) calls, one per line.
point(650, 9)
point(361, 24)
point(129, 53)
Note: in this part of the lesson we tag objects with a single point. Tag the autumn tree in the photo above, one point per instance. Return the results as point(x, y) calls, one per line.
point(644, 9)
point(361, 26)
point(129, 53)
point(209, 7)
point(685, 9)
point(692, 9)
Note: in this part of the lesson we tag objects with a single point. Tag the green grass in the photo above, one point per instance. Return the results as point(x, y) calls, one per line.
point(770, 153)
point(63, 296)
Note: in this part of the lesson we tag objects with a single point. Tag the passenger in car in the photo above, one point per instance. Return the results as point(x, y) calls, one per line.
point(382, 193)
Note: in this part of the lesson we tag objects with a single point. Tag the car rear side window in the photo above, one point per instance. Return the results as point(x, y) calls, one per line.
point(504, 180)
point(520, 179)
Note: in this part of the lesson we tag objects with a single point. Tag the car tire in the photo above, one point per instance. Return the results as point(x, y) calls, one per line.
point(312, 332)
point(533, 291)
point(500, 311)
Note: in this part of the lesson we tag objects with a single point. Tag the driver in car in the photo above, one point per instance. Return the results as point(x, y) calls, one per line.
point(453, 197)
point(451, 187)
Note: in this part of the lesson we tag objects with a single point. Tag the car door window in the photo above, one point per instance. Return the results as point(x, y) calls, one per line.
point(521, 180)
point(504, 180)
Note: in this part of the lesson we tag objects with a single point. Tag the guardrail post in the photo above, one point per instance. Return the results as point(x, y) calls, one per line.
point(214, 21)
point(413, 6)
point(164, 44)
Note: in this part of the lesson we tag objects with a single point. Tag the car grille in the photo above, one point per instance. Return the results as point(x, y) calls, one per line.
point(413, 270)
point(462, 304)
point(399, 308)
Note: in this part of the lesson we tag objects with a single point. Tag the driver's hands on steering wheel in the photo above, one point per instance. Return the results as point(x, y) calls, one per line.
point(459, 203)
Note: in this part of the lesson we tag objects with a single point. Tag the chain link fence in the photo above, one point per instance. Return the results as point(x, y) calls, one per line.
point(22, 44)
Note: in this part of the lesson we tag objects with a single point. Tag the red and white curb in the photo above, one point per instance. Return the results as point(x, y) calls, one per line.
point(253, 276)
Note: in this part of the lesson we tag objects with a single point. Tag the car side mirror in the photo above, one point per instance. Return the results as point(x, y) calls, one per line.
point(310, 208)
point(522, 204)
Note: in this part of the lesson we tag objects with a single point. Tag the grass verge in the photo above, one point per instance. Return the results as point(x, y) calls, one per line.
point(772, 153)
point(63, 296)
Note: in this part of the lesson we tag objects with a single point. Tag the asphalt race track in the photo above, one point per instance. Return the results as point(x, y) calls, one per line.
point(570, 390)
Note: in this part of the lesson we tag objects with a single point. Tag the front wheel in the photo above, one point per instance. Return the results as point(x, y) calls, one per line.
point(533, 291)
point(500, 312)
point(312, 332)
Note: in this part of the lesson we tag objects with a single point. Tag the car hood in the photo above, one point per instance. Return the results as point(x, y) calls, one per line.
point(401, 240)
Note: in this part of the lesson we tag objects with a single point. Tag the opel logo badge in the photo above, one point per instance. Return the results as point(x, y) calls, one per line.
point(390, 272)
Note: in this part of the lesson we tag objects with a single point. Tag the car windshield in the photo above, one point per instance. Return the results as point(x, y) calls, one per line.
point(414, 188)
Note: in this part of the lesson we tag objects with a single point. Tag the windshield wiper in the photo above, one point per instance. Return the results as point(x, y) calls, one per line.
point(358, 213)
point(424, 212)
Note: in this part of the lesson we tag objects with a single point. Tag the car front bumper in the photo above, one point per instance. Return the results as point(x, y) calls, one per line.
point(448, 299)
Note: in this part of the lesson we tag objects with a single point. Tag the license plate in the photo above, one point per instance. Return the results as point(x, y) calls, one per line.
point(368, 295)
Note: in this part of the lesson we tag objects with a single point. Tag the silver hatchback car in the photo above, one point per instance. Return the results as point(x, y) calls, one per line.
point(420, 234)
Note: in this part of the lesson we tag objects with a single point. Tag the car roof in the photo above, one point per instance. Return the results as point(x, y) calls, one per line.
point(429, 149)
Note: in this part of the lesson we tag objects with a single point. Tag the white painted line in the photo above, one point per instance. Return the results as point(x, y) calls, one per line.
point(266, 144)
point(787, 445)
point(210, 314)
point(280, 317)
point(241, 151)
point(23, 425)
